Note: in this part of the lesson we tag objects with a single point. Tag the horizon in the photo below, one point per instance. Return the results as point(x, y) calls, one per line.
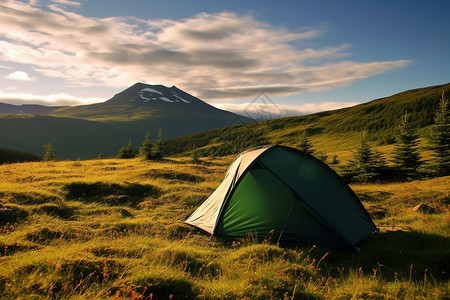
point(306, 57)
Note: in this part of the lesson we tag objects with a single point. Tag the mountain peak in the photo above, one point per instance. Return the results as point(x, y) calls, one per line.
point(148, 93)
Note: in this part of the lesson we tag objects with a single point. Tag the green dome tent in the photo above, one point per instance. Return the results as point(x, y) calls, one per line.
point(287, 193)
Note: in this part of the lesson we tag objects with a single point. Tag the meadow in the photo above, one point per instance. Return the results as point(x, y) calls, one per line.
point(113, 229)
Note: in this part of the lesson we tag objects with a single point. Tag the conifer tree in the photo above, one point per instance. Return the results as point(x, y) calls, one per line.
point(406, 156)
point(126, 151)
point(364, 160)
point(379, 161)
point(439, 141)
point(366, 163)
point(122, 151)
point(48, 152)
point(147, 147)
point(158, 148)
point(195, 155)
point(305, 145)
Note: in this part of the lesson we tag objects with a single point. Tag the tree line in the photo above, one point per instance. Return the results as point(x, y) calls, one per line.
point(368, 165)
point(148, 150)
point(225, 141)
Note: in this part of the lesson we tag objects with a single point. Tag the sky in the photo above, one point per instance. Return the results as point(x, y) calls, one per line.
point(300, 56)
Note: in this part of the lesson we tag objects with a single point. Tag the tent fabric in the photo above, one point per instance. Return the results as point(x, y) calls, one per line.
point(287, 193)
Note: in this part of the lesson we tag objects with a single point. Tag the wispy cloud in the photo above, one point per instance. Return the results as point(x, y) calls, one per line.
point(49, 100)
point(67, 2)
point(20, 75)
point(222, 55)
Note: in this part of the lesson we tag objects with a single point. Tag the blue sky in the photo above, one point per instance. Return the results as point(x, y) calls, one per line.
point(306, 56)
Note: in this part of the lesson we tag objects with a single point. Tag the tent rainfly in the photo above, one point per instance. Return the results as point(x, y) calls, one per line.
point(288, 193)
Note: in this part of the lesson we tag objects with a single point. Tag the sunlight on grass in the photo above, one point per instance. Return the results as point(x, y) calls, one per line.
point(113, 229)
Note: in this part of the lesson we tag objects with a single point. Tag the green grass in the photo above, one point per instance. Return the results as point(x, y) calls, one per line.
point(71, 237)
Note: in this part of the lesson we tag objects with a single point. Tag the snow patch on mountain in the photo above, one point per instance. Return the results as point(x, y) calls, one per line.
point(150, 91)
point(179, 98)
point(166, 99)
point(148, 94)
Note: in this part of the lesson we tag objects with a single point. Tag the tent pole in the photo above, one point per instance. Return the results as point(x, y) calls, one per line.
point(285, 221)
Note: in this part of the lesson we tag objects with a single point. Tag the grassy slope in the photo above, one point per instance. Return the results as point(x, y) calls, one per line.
point(74, 238)
point(11, 155)
point(335, 131)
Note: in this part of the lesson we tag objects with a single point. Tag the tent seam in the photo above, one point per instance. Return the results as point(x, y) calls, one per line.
point(320, 220)
point(236, 183)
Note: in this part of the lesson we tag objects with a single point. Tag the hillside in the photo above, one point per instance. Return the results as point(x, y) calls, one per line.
point(329, 131)
point(85, 131)
point(11, 156)
point(26, 109)
point(113, 229)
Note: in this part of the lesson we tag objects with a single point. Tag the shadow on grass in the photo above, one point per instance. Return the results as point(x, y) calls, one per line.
point(59, 211)
point(112, 194)
point(405, 254)
point(173, 175)
point(375, 196)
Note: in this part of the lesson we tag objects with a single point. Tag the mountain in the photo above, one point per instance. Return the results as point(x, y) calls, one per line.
point(329, 131)
point(143, 101)
point(86, 130)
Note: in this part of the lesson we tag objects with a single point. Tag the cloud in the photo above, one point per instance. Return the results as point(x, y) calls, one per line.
point(49, 100)
point(67, 2)
point(269, 110)
point(214, 56)
point(20, 75)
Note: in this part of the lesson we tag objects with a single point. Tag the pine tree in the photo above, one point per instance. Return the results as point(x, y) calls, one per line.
point(305, 145)
point(366, 163)
point(379, 161)
point(126, 151)
point(122, 151)
point(48, 152)
point(406, 156)
point(364, 160)
point(439, 141)
point(195, 155)
point(158, 148)
point(147, 147)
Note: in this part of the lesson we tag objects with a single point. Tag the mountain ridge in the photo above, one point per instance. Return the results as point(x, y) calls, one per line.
point(86, 130)
point(6, 108)
point(141, 101)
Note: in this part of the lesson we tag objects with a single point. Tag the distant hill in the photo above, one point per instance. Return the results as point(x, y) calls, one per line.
point(11, 156)
point(330, 130)
point(26, 109)
point(85, 131)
